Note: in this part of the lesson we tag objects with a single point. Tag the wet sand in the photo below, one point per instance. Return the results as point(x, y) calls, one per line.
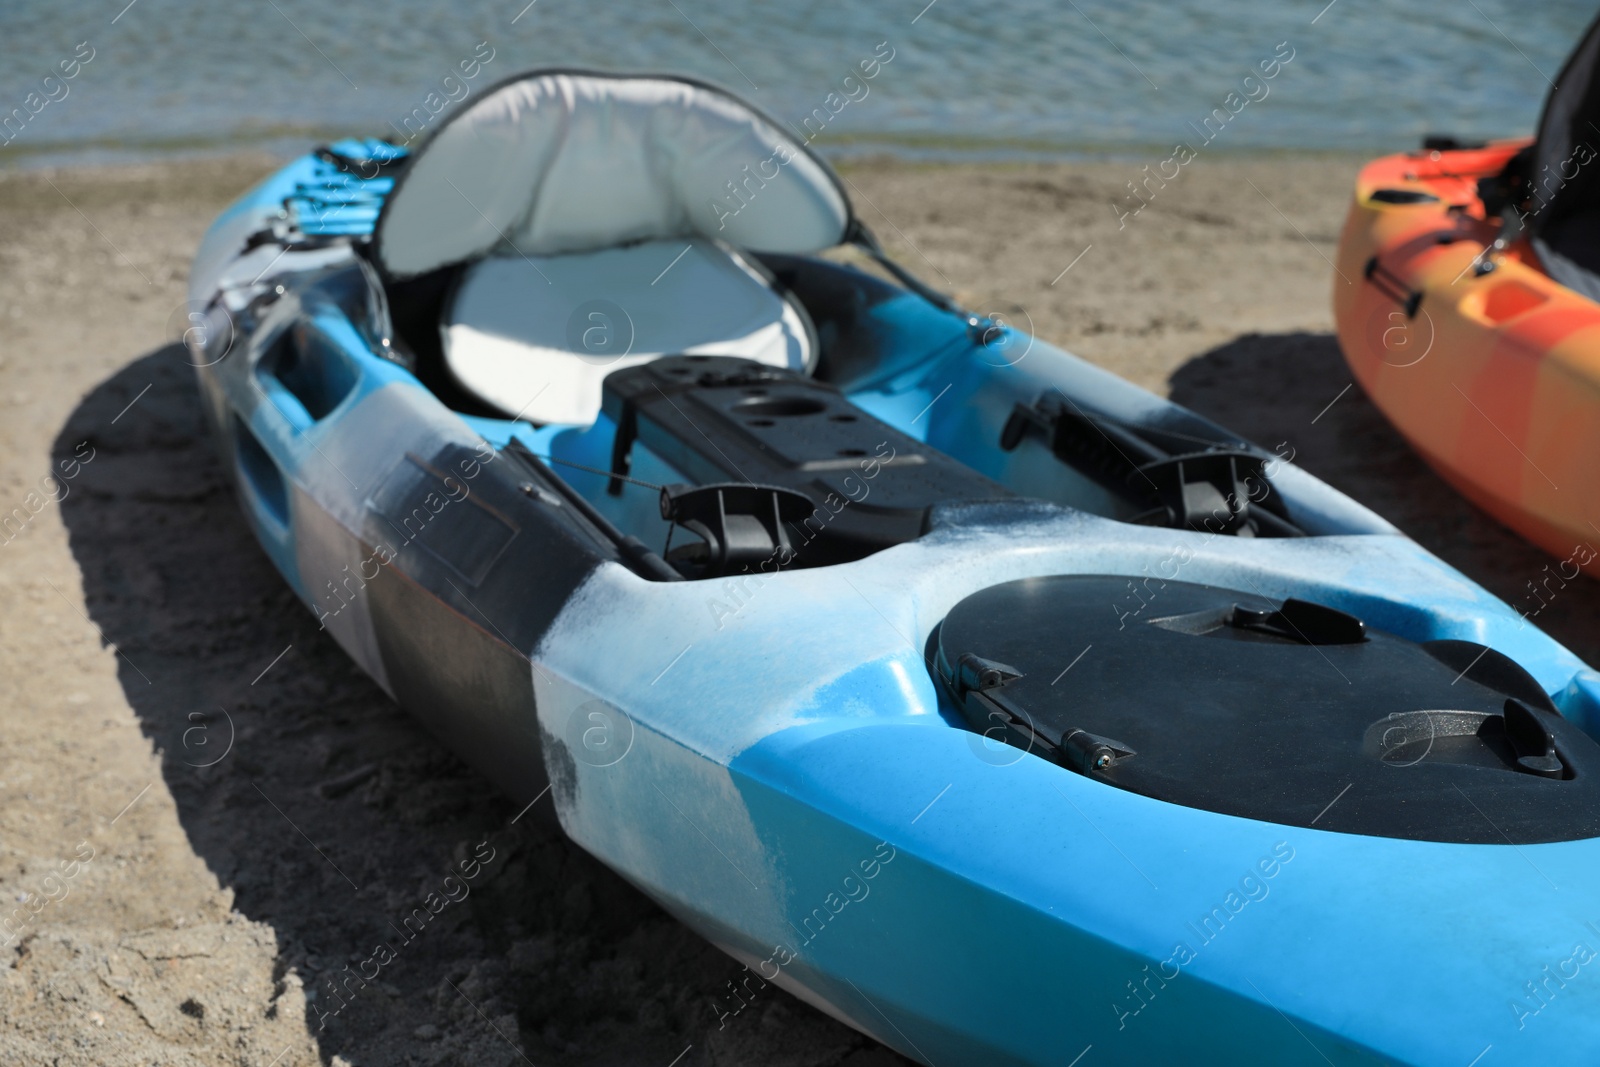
point(181, 912)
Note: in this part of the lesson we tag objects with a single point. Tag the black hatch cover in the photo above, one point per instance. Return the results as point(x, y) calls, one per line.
point(1289, 712)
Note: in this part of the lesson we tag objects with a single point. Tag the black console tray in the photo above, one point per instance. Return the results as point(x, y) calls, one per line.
point(720, 420)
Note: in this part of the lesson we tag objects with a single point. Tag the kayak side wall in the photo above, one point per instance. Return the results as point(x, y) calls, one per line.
point(389, 500)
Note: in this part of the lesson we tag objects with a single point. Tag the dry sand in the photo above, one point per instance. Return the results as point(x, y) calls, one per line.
point(138, 606)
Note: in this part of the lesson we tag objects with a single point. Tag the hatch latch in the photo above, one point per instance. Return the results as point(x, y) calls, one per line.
point(1303, 621)
point(974, 673)
point(1532, 742)
point(1088, 753)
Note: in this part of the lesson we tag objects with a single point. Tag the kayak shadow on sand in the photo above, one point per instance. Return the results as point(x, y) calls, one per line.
point(332, 815)
point(1294, 391)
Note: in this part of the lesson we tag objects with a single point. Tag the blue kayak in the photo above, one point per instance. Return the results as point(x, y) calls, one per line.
point(992, 705)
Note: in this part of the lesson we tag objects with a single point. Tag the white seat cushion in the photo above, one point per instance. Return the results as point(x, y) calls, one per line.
point(535, 336)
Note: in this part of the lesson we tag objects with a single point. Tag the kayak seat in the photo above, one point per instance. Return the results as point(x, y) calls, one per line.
point(535, 336)
point(594, 222)
point(1570, 252)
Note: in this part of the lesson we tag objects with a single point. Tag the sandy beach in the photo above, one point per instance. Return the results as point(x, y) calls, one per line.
point(204, 805)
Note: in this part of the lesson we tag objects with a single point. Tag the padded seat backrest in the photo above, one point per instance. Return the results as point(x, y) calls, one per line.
point(575, 162)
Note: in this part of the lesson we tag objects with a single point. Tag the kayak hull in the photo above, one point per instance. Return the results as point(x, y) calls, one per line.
point(774, 762)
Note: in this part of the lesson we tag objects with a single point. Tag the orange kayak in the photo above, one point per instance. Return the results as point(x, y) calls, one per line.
point(1467, 297)
point(1487, 365)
